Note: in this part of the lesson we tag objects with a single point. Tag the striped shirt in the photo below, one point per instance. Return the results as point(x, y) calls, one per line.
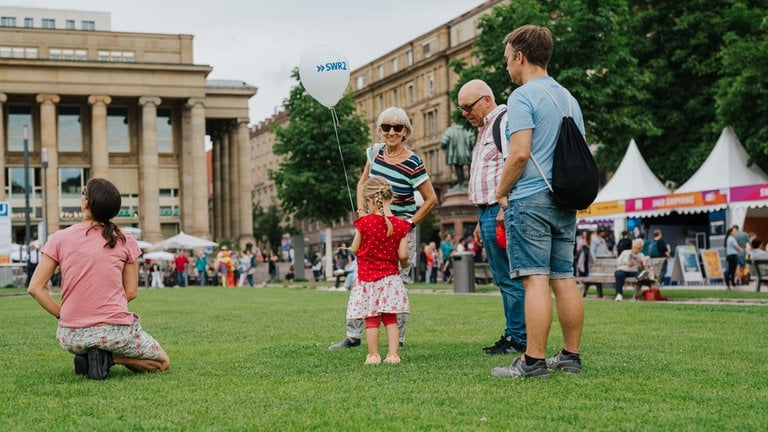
point(404, 177)
point(487, 162)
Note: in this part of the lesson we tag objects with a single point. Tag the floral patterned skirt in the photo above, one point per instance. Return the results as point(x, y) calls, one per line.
point(386, 295)
point(128, 341)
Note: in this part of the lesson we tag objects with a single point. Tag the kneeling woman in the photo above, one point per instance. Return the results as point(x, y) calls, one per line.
point(99, 277)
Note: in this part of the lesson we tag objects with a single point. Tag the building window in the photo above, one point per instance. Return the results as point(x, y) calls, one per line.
point(380, 71)
point(426, 50)
point(18, 117)
point(72, 181)
point(430, 124)
point(18, 52)
point(395, 97)
point(409, 58)
point(381, 103)
point(8, 22)
point(70, 129)
point(49, 23)
point(67, 54)
point(88, 25)
point(360, 81)
point(430, 84)
point(15, 185)
point(70, 24)
point(29, 22)
point(116, 56)
point(393, 65)
point(164, 131)
point(411, 91)
point(118, 137)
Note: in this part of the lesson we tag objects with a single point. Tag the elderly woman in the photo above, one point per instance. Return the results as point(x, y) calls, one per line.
point(630, 263)
point(405, 171)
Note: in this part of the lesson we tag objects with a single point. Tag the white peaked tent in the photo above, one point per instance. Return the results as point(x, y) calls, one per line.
point(725, 168)
point(632, 179)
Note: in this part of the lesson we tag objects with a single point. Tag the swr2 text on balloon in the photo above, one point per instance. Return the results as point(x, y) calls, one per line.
point(332, 66)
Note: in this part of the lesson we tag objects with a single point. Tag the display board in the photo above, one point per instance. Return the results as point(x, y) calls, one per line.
point(5, 232)
point(713, 268)
point(686, 267)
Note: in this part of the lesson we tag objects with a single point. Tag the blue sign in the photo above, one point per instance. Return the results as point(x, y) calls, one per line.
point(5, 209)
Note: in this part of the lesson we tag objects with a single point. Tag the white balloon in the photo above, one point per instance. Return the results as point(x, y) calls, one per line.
point(324, 73)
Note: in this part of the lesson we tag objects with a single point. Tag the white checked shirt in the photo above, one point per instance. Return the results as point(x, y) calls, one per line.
point(487, 162)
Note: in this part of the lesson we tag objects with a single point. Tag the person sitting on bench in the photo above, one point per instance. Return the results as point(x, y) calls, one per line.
point(630, 263)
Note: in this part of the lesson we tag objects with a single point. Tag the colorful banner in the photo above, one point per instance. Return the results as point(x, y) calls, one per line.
point(602, 208)
point(749, 193)
point(674, 201)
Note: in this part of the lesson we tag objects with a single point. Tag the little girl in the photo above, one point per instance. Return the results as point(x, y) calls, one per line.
point(379, 293)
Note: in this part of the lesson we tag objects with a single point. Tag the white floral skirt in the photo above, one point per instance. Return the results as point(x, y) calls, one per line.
point(386, 295)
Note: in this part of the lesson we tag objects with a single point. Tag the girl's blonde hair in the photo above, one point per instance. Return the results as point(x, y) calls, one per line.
point(379, 191)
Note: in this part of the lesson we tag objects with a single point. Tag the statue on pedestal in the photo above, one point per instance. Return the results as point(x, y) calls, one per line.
point(457, 143)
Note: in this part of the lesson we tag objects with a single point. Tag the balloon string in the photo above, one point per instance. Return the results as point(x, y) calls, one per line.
point(341, 155)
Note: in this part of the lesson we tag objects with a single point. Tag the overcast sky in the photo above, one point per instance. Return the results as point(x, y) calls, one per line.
point(260, 42)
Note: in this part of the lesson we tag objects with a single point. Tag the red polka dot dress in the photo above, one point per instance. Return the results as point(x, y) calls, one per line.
point(379, 288)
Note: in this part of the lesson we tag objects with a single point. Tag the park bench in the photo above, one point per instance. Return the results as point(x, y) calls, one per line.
point(602, 272)
point(759, 267)
point(483, 273)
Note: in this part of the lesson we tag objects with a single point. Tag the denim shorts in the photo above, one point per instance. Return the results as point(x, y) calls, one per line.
point(540, 237)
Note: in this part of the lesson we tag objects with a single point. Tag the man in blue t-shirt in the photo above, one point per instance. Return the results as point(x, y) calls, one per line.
point(535, 112)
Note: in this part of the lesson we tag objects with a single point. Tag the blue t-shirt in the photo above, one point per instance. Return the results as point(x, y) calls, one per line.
point(530, 107)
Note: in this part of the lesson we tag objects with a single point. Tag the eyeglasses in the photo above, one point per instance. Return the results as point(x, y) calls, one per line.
point(468, 108)
point(386, 127)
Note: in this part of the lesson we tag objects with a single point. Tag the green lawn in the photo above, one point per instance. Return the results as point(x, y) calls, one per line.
point(258, 359)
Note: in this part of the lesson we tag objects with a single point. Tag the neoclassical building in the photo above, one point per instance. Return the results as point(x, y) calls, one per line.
point(78, 100)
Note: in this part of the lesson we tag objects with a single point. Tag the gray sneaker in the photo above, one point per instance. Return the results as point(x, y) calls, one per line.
point(518, 369)
point(565, 362)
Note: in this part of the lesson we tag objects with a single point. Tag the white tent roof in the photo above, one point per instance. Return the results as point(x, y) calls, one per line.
point(632, 179)
point(725, 167)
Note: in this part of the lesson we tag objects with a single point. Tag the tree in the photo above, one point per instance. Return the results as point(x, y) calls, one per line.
point(707, 58)
point(591, 58)
point(270, 224)
point(742, 93)
point(311, 181)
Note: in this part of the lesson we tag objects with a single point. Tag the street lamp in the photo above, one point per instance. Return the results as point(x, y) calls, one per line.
point(44, 159)
point(26, 186)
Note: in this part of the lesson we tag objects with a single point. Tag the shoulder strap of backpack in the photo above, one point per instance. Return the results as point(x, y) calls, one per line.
point(535, 162)
point(373, 150)
point(570, 109)
point(497, 132)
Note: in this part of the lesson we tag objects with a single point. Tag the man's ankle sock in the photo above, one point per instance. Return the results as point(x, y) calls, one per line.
point(530, 361)
point(568, 353)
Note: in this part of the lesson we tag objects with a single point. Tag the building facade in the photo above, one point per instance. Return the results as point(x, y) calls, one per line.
point(417, 77)
point(131, 107)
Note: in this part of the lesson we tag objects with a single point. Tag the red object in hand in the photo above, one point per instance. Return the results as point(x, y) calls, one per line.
point(501, 235)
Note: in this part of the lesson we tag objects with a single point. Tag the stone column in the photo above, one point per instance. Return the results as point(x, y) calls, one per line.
point(99, 139)
point(235, 194)
point(149, 172)
point(246, 183)
point(48, 140)
point(3, 134)
point(226, 209)
point(199, 180)
point(216, 168)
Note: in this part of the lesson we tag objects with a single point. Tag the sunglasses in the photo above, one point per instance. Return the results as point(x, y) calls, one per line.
point(386, 127)
point(468, 108)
